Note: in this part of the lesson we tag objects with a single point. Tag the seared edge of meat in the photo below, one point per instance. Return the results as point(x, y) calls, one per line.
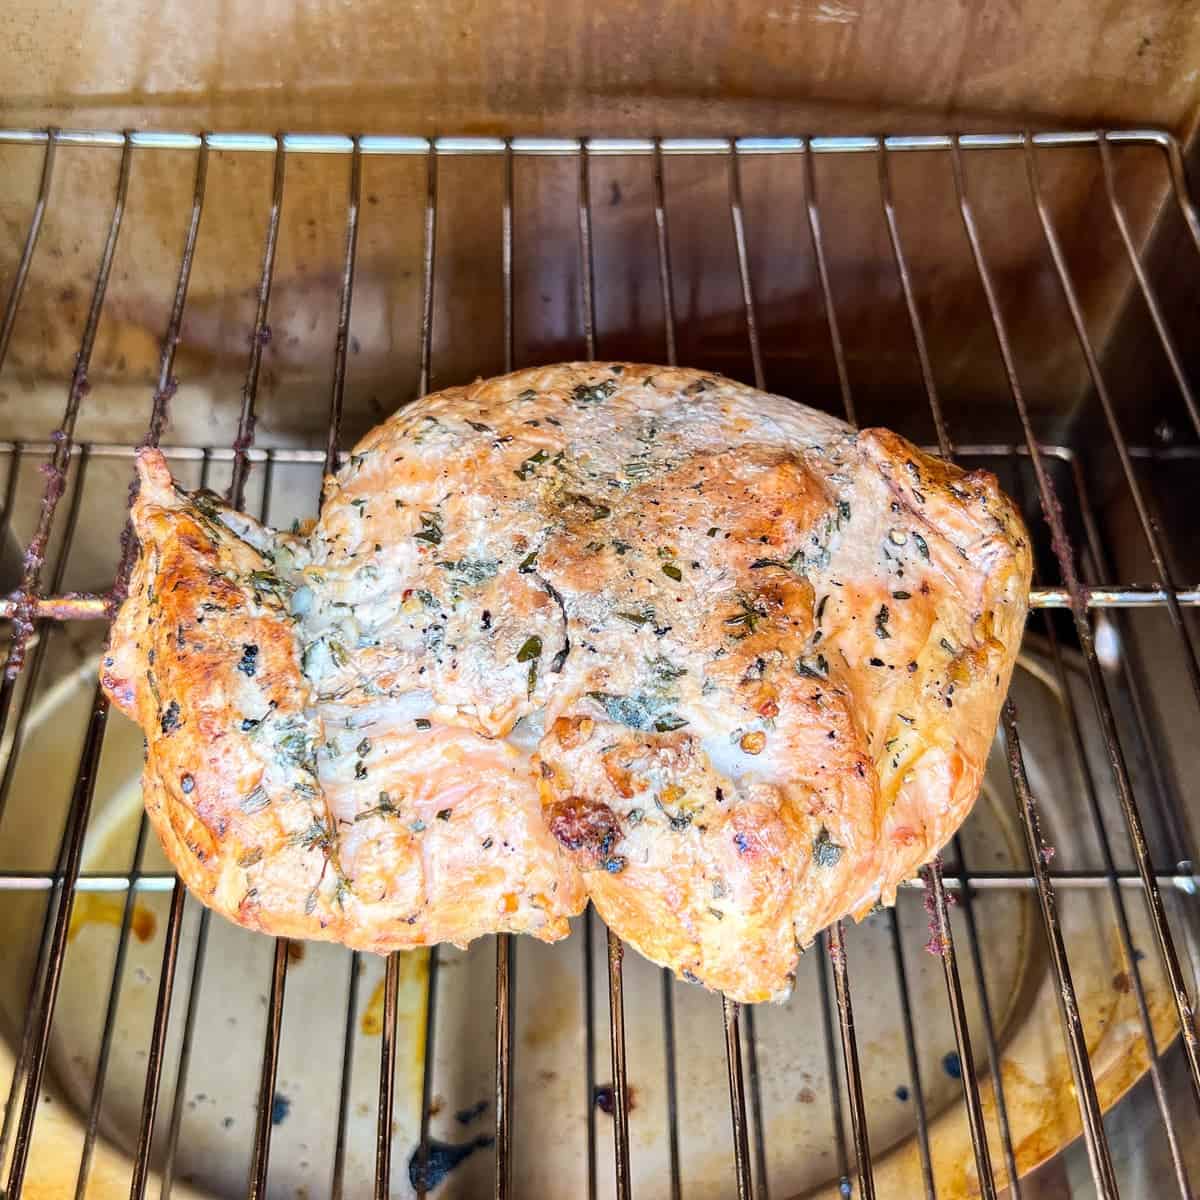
point(206, 657)
point(930, 761)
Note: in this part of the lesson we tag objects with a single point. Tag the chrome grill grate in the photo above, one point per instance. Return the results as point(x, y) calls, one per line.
point(1080, 600)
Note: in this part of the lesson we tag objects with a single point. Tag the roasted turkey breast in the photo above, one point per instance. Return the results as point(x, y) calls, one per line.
point(712, 659)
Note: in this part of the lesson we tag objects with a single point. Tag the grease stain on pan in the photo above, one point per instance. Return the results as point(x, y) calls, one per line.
point(372, 1018)
point(96, 908)
point(414, 975)
point(412, 996)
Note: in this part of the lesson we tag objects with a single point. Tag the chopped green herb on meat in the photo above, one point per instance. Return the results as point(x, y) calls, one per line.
point(745, 620)
point(255, 801)
point(586, 394)
point(531, 648)
point(431, 529)
point(669, 722)
point(531, 652)
point(639, 711)
point(270, 583)
point(664, 669)
point(470, 572)
point(813, 668)
point(638, 617)
point(531, 464)
point(384, 808)
point(825, 851)
point(881, 622)
point(794, 563)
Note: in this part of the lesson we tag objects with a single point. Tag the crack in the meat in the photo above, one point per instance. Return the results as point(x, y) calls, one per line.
point(560, 658)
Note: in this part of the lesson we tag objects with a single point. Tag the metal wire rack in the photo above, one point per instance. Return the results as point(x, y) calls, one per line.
point(1080, 596)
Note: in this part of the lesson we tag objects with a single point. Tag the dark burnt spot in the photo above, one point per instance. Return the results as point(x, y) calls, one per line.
point(605, 1099)
point(428, 1166)
point(169, 721)
point(249, 661)
point(742, 842)
point(585, 826)
point(465, 1116)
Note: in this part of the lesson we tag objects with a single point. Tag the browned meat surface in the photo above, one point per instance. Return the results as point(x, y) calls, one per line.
point(642, 635)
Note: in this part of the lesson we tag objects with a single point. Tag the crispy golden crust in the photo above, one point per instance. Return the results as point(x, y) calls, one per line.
point(639, 634)
point(440, 840)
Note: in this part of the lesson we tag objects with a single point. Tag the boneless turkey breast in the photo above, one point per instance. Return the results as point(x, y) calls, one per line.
point(710, 658)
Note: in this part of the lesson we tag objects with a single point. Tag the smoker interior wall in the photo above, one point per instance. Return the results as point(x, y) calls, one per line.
point(621, 67)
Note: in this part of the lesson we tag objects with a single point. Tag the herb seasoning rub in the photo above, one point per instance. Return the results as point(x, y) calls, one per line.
point(641, 634)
